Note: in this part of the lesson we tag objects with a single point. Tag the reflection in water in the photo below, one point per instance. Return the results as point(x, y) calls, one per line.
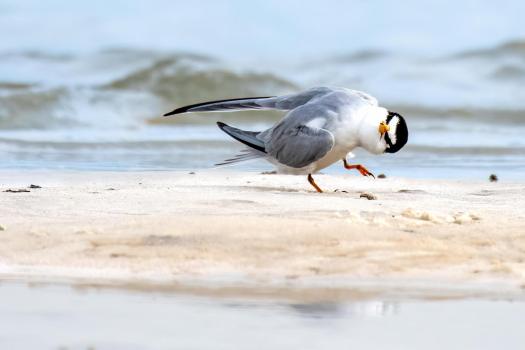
point(54, 317)
point(331, 310)
point(318, 310)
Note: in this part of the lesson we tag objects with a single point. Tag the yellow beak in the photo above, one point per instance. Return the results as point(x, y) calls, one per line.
point(383, 128)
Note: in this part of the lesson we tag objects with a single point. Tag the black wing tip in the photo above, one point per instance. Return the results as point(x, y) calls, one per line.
point(196, 105)
point(177, 111)
point(221, 125)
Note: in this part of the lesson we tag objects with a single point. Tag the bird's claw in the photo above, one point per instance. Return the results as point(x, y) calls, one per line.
point(364, 171)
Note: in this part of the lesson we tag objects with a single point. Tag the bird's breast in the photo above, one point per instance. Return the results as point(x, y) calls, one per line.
point(345, 132)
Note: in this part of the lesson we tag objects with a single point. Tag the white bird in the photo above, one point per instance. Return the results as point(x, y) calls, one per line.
point(322, 126)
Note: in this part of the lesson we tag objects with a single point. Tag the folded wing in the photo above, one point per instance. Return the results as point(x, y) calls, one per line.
point(298, 144)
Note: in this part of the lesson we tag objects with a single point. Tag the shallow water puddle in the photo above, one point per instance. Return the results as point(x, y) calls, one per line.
point(59, 317)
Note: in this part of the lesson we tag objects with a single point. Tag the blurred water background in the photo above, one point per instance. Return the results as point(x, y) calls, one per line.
point(83, 84)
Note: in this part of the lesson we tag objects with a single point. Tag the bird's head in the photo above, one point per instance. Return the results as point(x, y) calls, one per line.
point(384, 132)
point(395, 133)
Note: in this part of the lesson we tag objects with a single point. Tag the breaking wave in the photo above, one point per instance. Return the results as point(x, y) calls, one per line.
point(514, 48)
point(149, 85)
point(129, 88)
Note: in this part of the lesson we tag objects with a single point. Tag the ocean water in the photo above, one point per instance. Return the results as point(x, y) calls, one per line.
point(91, 98)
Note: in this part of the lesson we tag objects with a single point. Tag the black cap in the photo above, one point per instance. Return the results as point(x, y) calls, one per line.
point(401, 133)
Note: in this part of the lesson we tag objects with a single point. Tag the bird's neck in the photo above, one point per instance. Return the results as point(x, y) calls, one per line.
point(368, 134)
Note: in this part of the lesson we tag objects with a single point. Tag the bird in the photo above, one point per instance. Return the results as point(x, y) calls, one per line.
point(322, 126)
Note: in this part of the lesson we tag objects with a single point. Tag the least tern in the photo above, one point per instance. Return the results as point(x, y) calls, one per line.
point(321, 127)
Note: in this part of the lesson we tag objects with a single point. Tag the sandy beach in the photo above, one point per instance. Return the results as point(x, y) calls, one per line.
point(266, 231)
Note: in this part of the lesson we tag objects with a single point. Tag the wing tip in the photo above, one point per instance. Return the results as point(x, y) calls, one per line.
point(198, 106)
point(176, 111)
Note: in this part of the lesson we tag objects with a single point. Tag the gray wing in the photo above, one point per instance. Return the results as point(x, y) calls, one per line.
point(286, 102)
point(299, 139)
point(304, 135)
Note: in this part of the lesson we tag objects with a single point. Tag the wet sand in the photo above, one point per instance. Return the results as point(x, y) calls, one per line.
point(247, 232)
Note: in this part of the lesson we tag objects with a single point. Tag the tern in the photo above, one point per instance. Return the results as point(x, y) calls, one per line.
point(321, 127)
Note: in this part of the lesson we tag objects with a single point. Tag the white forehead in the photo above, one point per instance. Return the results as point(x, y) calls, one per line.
point(394, 122)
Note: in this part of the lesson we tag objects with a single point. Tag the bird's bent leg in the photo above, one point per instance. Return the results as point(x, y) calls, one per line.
point(312, 182)
point(364, 171)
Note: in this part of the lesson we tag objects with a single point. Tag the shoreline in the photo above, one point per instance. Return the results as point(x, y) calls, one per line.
point(245, 233)
point(309, 291)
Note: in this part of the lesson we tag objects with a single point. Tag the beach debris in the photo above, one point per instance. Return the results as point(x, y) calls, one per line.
point(381, 176)
point(120, 255)
point(411, 191)
point(34, 186)
point(368, 196)
point(191, 173)
point(420, 215)
point(17, 190)
point(342, 191)
point(483, 193)
point(493, 178)
point(2, 228)
point(110, 189)
point(269, 172)
point(463, 218)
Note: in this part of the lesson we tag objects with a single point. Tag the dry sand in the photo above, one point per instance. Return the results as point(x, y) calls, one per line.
point(237, 230)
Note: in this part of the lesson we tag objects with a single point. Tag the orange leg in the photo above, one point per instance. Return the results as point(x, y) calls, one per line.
point(312, 182)
point(364, 171)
